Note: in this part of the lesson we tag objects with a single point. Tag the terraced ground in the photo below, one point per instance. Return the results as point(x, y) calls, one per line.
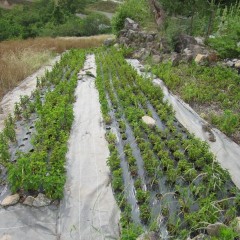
point(164, 179)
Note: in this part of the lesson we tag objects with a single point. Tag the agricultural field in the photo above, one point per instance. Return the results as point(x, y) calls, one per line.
point(37, 134)
point(164, 179)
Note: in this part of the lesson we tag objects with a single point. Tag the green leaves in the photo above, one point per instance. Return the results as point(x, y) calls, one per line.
point(44, 168)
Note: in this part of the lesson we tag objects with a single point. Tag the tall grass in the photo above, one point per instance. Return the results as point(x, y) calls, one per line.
point(20, 58)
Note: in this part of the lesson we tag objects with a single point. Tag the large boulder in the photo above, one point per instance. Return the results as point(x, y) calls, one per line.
point(214, 229)
point(149, 121)
point(183, 41)
point(131, 24)
point(10, 200)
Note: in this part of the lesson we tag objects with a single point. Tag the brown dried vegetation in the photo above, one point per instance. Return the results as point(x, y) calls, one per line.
point(20, 58)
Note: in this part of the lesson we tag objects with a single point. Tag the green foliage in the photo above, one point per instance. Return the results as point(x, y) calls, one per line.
point(137, 10)
point(43, 169)
point(206, 85)
point(228, 122)
point(227, 32)
point(95, 23)
point(49, 18)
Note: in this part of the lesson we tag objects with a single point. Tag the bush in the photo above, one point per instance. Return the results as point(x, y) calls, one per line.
point(137, 10)
point(227, 33)
point(94, 24)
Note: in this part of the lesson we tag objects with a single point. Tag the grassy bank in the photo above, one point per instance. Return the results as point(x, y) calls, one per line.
point(212, 91)
point(20, 58)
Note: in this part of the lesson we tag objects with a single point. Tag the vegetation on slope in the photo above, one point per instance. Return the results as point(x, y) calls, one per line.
point(48, 18)
point(42, 169)
point(20, 58)
point(215, 88)
point(176, 182)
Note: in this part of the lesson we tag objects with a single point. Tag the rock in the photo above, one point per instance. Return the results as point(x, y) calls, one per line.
point(200, 40)
point(182, 41)
point(140, 54)
point(199, 237)
point(29, 201)
point(156, 59)
point(176, 58)
point(10, 200)
point(237, 64)
point(149, 121)
point(149, 236)
point(116, 45)
point(41, 200)
point(237, 226)
point(130, 24)
point(109, 42)
point(187, 51)
point(230, 63)
point(213, 229)
point(200, 58)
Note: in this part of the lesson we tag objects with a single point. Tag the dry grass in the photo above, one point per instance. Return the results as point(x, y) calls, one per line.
point(104, 6)
point(20, 58)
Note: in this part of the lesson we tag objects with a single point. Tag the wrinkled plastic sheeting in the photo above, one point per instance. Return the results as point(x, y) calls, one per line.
point(226, 151)
point(88, 210)
point(19, 221)
point(22, 222)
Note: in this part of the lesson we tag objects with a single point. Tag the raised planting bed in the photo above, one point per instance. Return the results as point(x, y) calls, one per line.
point(165, 179)
point(33, 144)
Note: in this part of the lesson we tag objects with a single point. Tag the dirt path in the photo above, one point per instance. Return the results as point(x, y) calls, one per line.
point(88, 210)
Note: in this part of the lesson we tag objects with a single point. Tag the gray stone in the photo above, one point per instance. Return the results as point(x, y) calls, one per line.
point(41, 200)
point(176, 58)
point(109, 42)
point(150, 38)
point(230, 63)
point(182, 41)
point(149, 121)
point(187, 51)
point(213, 229)
point(149, 236)
point(10, 200)
point(199, 237)
point(29, 201)
point(156, 59)
point(200, 40)
point(130, 24)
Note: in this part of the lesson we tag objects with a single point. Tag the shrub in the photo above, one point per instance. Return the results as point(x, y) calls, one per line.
point(137, 10)
point(94, 24)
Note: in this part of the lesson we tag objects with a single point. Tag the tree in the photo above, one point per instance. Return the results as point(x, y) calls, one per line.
point(72, 6)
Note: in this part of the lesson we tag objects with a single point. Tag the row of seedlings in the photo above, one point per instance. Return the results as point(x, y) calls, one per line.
point(193, 190)
point(43, 124)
